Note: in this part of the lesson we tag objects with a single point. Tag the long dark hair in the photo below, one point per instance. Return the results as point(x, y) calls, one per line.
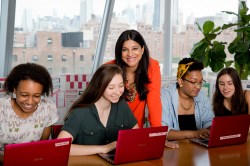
point(29, 71)
point(98, 84)
point(141, 73)
point(238, 102)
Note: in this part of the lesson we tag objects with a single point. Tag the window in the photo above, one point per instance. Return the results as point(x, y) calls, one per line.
point(86, 44)
point(147, 17)
point(44, 26)
point(185, 30)
point(50, 58)
point(24, 55)
point(14, 58)
point(0, 8)
point(75, 25)
point(50, 70)
point(82, 68)
point(64, 70)
point(64, 58)
point(35, 59)
point(81, 58)
point(49, 42)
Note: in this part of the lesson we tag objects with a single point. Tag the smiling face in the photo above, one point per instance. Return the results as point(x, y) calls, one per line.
point(28, 96)
point(114, 89)
point(132, 53)
point(226, 86)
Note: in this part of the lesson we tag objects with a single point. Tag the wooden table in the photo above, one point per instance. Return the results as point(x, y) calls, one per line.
point(188, 154)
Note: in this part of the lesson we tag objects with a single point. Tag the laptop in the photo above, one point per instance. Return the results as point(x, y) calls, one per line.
point(54, 152)
point(227, 130)
point(137, 145)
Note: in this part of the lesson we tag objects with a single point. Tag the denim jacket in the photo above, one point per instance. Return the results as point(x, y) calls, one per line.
point(169, 98)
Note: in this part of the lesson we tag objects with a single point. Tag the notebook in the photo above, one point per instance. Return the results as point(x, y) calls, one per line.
point(137, 145)
point(227, 130)
point(54, 152)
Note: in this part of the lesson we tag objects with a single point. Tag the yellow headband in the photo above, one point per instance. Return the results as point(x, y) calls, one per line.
point(182, 69)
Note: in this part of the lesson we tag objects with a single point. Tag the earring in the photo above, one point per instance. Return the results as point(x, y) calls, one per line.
point(181, 85)
point(42, 98)
point(13, 95)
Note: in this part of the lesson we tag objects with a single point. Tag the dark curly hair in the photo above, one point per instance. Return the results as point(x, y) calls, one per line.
point(28, 71)
point(197, 65)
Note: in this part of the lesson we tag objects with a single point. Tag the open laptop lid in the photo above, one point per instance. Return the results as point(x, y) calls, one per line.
point(140, 144)
point(229, 130)
point(40, 153)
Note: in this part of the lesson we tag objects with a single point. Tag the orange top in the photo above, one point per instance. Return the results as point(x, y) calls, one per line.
point(153, 100)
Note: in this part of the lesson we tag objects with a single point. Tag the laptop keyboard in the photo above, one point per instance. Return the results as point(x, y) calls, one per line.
point(204, 141)
point(2, 146)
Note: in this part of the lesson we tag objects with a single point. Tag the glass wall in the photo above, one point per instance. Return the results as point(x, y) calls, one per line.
point(145, 16)
point(0, 8)
point(185, 32)
point(60, 34)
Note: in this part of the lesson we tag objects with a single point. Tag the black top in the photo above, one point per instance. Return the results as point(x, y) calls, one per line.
point(187, 122)
point(226, 112)
point(86, 128)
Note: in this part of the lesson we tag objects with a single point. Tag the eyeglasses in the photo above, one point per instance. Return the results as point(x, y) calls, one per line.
point(195, 83)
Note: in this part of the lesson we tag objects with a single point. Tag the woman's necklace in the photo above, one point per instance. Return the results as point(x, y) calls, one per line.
point(131, 91)
point(186, 107)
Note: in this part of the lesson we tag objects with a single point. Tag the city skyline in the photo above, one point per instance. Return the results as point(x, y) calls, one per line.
point(26, 36)
point(71, 8)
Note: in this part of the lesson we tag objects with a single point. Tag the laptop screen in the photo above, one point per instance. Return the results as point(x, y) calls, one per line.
point(39, 153)
point(227, 130)
point(139, 144)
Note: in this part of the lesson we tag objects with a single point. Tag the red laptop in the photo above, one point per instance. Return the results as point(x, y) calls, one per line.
point(227, 130)
point(53, 152)
point(137, 145)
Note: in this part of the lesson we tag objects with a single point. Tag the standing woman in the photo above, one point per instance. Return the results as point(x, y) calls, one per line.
point(25, 114)
point(143, 77)
point(94, 120)
point(229, 97)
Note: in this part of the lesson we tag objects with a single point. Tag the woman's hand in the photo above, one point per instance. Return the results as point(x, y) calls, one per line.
point(172, 145)
point(202, 133)
point(109, 147)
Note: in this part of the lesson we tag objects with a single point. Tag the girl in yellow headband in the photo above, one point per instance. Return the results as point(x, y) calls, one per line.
point(186, 110)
